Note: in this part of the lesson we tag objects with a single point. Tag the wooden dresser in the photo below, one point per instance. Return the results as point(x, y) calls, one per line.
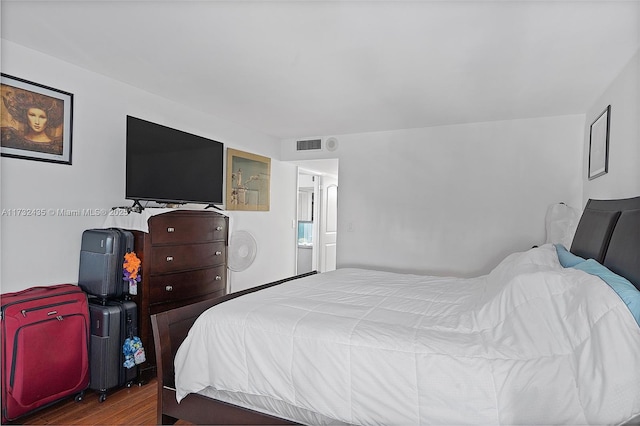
point(184, 260)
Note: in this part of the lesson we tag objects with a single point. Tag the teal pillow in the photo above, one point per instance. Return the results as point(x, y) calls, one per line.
point(566, 258)
point(627, 292)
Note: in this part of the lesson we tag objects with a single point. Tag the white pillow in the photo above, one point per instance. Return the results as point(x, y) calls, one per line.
point(561, 222)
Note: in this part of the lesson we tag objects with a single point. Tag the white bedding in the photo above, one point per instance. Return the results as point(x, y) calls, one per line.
point(529, 343)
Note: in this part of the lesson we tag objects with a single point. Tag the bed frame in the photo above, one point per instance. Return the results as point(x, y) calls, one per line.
point(608, 231)
point(169, 330)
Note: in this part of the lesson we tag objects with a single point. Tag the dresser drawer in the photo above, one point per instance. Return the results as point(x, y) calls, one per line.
point(173, 287)
point(178, 229)
point(187, 256)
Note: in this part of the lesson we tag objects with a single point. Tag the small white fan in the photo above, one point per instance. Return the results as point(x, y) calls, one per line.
point(242, 250)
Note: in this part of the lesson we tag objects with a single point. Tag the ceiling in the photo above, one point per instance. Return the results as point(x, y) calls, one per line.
point(294, 69)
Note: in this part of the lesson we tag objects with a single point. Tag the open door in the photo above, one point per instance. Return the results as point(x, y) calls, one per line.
point(308, 222)
point(317, 216)
point(328, 232)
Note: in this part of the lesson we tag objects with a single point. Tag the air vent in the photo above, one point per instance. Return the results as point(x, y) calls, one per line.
point(309, 145)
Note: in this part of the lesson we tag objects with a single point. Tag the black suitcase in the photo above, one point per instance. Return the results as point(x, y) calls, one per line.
point(112, 322)
point(101, 262)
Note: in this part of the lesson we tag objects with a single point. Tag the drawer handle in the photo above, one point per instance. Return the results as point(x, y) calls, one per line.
point(219, 228)
point(169, 288)
point(171, 229)
point(218, 253)
point(169, 258)
point(218, 277)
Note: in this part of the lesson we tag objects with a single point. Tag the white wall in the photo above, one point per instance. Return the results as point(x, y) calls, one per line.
point(443, 200)
point(623, 178)
point(45, 250)
point(451, 200)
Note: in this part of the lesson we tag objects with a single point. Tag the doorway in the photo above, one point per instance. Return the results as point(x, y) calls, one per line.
point(317, 212)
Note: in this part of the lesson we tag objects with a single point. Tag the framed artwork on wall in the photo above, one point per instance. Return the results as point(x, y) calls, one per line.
point(36, 121)
point(599, 145)
point(248, 181)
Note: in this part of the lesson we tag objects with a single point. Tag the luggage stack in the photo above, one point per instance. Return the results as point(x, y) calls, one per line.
point(45, 348)
point(113, 315)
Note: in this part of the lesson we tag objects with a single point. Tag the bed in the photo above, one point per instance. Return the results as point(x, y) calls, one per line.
point(550, 336)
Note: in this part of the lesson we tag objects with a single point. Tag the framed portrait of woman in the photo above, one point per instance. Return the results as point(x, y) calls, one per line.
point(36, 121)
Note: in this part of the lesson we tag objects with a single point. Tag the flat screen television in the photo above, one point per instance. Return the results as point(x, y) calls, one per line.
point(171, 166)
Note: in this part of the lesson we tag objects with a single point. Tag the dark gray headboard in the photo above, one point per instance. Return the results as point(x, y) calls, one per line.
point(609, 232)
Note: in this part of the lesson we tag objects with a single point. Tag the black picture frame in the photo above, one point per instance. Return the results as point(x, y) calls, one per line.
point(36, 121)
point(599, 145)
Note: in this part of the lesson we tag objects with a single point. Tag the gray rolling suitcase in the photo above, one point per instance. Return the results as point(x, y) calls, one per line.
point(101, 259)
point(112, 322)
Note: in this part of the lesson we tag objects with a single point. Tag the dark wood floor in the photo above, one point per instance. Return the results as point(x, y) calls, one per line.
point(126, 406)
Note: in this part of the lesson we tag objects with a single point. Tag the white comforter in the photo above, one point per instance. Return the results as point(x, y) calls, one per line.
point(529, 343)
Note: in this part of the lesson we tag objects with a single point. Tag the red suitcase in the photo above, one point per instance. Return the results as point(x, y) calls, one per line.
point(45, 347)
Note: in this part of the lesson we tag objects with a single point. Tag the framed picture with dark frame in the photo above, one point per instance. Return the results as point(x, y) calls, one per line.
point(248, 181)
point(36, 121)
point(599, 145)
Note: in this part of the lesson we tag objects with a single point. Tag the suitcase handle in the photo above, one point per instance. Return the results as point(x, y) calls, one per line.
point(44, 287)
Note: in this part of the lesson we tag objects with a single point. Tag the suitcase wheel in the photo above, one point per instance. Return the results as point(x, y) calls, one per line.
point(79, 397)
point(102, 397)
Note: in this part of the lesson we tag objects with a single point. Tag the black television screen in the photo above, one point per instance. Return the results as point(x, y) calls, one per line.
point(172, 166)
